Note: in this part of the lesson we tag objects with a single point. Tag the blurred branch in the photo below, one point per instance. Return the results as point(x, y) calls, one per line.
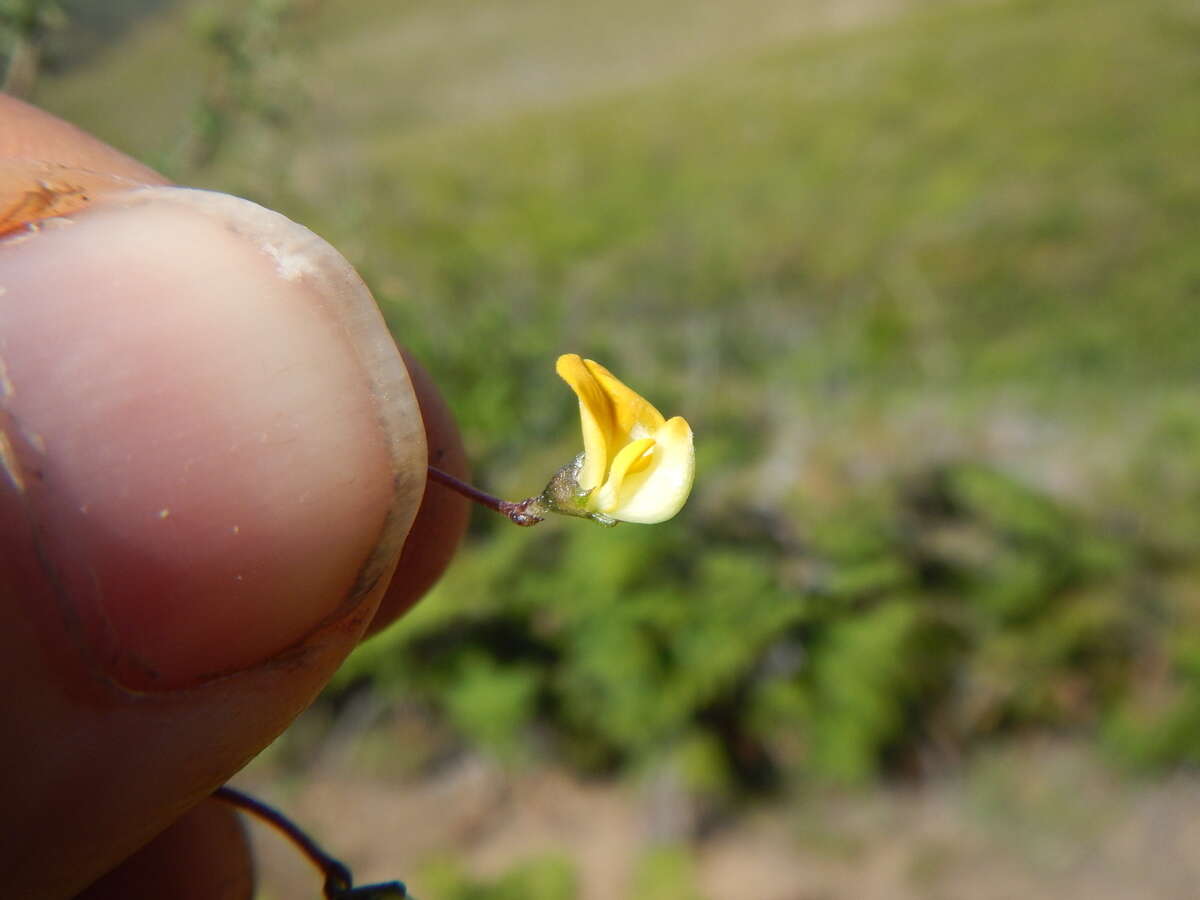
point(254, 81)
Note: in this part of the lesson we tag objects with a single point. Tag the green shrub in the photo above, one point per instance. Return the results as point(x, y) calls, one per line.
point(965, 606)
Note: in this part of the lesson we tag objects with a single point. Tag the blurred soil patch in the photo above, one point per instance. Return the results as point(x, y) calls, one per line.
point(1038, 819)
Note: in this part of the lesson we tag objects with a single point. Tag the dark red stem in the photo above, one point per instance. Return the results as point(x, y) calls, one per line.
point(337, 877)
point(521, 512)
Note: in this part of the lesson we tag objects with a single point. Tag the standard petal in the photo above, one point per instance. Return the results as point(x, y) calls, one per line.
point(634, 416)
point(596, 417)
point(608, 499)
point(658, 492)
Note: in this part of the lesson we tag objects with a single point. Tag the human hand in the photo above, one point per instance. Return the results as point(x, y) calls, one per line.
point(210, 457)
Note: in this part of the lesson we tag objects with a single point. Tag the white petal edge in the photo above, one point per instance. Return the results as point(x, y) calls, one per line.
point(658, 492)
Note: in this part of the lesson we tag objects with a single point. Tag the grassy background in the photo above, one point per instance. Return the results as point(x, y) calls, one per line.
point(922, 276)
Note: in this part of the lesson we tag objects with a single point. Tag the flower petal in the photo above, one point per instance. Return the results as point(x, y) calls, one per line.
point(596, 416)
point(659, 491)
point(608, 499)
point(634, 416)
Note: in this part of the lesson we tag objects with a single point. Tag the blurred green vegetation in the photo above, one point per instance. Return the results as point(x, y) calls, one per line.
point(926, 290)
point(541, 878)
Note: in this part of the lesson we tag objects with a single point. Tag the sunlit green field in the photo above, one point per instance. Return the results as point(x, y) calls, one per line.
point(922, 276)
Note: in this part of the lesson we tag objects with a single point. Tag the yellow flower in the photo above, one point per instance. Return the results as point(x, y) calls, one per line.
point(636, 466)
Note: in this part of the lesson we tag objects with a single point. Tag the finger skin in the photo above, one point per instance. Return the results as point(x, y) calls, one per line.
point(204, 855)
point(94, 772)
point(94, 769)
point(27, 132)
point(204, 497)
point(30, 133)
point(443, 517)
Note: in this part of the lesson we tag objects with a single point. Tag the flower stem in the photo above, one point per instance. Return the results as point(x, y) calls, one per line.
point(522, 512)
point(339, 884)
